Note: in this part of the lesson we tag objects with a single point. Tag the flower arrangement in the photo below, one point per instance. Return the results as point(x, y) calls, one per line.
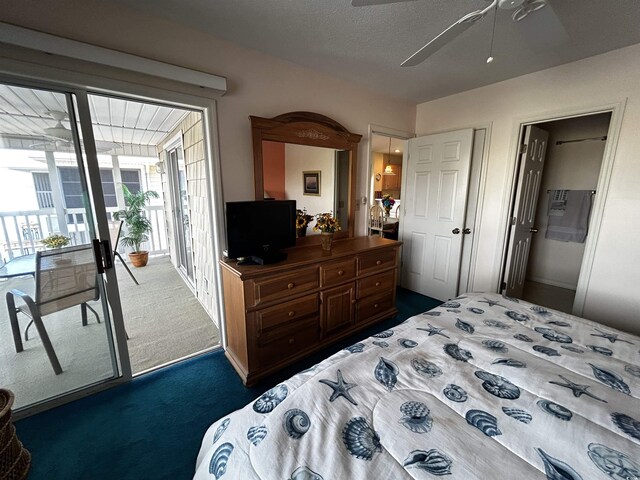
point(387, 202)
point(327, 223)
point(56, 241)
point(302, 219)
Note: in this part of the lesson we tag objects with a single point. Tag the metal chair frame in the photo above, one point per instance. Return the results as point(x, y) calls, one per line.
point(115, 240)
point(33, 308)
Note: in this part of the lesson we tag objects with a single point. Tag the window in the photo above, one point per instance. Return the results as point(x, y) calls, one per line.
point(43, 190)
point(71, 188)
point(131, 178)
point(70, 179)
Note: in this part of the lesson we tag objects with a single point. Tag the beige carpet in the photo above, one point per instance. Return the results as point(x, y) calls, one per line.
point(163, 319)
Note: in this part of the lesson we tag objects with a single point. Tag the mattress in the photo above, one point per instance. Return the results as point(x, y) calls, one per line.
point(482, 387)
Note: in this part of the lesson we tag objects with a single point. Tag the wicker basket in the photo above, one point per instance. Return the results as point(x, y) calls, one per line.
point(15, 460)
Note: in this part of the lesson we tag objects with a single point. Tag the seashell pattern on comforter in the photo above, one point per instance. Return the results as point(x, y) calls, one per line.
point(495, 389)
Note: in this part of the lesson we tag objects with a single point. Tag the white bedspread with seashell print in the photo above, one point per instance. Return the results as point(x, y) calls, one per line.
point(482, 387)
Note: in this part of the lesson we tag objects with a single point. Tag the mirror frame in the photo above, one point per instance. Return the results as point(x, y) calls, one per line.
point(306, 128)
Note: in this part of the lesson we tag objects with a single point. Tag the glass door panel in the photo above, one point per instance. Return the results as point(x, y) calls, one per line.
point(181, 212)
point(56, 324)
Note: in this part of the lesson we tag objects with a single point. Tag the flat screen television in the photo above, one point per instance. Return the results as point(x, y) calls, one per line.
point(258, 230)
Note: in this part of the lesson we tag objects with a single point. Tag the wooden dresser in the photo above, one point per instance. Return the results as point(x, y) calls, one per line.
point(277, 314)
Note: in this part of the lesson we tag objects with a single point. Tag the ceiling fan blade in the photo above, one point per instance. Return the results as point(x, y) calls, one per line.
point(445, 37)
point(365, 3)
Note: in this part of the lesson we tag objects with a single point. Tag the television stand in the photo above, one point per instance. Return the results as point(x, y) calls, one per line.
point(264, 259)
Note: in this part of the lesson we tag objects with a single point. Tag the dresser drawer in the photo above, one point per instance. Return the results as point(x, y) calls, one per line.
point(372, 306)
point(379, 260)
point(273, 348)
point(284, 317)
point(377, 284)
point(337, 272)
point(274, 288)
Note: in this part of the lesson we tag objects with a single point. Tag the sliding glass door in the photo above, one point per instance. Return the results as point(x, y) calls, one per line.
point(182, 222)
point(62, 323)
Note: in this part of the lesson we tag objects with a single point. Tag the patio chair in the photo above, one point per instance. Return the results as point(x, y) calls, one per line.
point(376, 220)
point(64, 278)
point(115, 229)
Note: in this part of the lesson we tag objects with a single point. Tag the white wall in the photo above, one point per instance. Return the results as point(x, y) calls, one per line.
point(303, 158)
point(258, 83)
point(569, 166)
point(612, 295)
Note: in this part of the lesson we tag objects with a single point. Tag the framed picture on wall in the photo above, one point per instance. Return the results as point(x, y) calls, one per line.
point(311, 182)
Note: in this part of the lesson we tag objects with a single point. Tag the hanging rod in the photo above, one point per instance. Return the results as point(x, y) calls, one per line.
point(593, 192)
point(591, 139)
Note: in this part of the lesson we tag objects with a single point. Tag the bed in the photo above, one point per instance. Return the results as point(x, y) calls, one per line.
point(482, 387)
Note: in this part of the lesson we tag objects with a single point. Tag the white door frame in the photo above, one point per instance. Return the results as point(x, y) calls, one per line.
point(366, 200)
point(617, 112)
point(470, 268)
point(148, 90)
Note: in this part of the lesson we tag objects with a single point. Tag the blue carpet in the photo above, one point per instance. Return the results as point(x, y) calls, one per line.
point(152, 427)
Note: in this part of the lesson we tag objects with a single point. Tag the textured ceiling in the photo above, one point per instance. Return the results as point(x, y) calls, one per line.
point(366, 45)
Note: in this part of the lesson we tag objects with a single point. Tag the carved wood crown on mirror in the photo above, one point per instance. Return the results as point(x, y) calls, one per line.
point(315, 130)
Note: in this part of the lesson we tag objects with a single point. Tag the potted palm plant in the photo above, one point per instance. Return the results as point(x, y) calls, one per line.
point(138, 226)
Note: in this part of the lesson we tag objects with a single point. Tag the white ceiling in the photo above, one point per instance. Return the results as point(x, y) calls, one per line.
point(116, 122)
point(380, 144)
point(366, 45)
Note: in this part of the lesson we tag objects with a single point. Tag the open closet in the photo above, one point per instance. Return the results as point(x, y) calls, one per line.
point(560, 164)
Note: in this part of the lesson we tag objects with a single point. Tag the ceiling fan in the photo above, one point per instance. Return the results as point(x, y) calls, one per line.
point(522, 8)
point(61, 135)
point(59, 131)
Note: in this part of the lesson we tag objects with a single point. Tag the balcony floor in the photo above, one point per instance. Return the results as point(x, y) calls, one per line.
point(162, 317)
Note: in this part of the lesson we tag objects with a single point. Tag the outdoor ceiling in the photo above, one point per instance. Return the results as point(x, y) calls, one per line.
point(366, 45)
point(118, 125)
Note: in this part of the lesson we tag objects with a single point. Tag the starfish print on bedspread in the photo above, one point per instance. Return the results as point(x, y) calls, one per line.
point(578, 390)
point(612, 337)
point(340, 388)
point(433, 330)
point(491, 303)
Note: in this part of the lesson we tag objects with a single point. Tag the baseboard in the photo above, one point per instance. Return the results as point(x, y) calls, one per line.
point(553, 283)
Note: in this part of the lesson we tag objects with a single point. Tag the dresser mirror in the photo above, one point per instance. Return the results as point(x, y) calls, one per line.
point(309, 158)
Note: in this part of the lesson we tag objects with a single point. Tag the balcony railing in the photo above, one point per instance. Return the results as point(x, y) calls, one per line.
point(21, 232)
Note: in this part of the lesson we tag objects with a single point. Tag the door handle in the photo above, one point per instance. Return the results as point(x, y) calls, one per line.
point(455, 231)
point(466, 231)
point(97, 254)
point(533, 230)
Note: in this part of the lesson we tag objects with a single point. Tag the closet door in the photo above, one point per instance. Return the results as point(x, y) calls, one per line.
point(522, 224)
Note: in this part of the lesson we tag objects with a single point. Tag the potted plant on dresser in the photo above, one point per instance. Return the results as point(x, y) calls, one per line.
point(138, 225)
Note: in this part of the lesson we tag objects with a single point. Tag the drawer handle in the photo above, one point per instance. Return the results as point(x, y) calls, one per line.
point(378, 262)
point(378, 284)
point(291, 285)
point(292, 313)
point(375, 305)
point(353, 302)
point(340, 273)
point(291, 340)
